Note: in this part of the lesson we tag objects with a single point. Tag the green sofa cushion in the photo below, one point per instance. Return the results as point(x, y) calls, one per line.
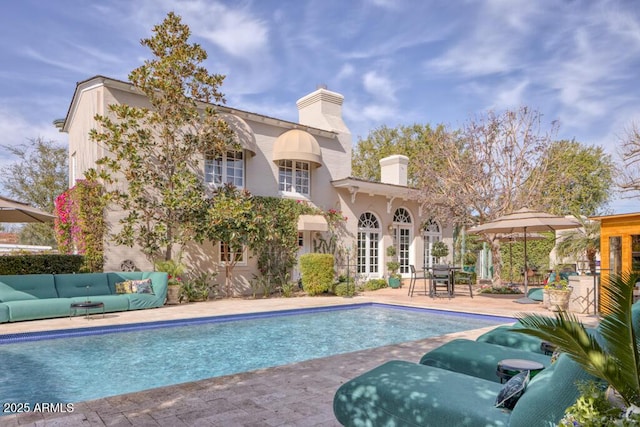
point(4, 313)
point(7, 293)
point(400, 393)
point(82, 285)
point(39, 285)
point(479, 359)
point(38, 309)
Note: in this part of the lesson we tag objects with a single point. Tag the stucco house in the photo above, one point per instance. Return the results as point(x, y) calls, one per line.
point(309, 160)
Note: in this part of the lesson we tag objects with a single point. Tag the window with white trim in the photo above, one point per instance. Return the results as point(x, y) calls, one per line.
point(294, 177)
point(368, 244)
point(227, 168)
point(402, 237)
point(227, 255)
point(431, 233)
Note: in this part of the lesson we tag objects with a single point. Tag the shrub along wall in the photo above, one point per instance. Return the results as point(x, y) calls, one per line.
point(40, 264)
point(317, 273)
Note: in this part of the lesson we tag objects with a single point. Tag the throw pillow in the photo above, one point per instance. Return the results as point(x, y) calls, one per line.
point(142, 286)
point(124, 287)
point(512, 390)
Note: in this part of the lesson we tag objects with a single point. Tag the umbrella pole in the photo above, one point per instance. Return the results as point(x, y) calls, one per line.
point(510, 265)
point(526, 269)
point(525, 299)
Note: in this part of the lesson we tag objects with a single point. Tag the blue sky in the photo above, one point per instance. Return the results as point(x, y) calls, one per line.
point(395, 61)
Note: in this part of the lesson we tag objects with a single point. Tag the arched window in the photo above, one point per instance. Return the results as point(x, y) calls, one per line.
point(431, 233)
point(368, 244)
point(402, 237)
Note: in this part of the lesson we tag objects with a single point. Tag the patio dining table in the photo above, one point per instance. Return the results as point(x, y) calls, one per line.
point(426, 274)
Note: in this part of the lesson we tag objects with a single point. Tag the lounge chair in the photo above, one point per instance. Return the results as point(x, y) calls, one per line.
point(507, 336)
point(478, 359)
point(402, 393)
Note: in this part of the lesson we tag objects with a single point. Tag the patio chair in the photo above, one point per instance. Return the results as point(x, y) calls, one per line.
point(441, 278)
point(415, 275)
point(464, 278)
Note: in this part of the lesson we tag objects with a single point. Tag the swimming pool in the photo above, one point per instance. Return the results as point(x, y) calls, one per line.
point(90, 363)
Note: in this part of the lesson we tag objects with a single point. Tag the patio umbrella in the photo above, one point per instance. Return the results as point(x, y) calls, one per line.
point(525, 221)
point(14, 211)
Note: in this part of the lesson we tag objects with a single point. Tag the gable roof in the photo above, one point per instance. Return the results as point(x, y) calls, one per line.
point(100, 80)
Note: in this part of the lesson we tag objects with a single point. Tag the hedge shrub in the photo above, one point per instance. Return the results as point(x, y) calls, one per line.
point(317, 273)
point(375, 284)
point(40, 264)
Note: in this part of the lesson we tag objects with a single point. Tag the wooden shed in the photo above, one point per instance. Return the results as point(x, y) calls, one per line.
point(619, 245)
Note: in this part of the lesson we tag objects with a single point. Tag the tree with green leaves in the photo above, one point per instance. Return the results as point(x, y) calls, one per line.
point(37, 177)
point(231, 221)
point(384, 141)
point(159, 150)
point(578, 179)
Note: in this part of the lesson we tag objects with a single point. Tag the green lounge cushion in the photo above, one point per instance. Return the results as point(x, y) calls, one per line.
point(39, 285)
point(479, 359)
point(535, 294)
point(4, 313)
point(7, 293)
point(38, 309)
point(400, 393)
point(82, 285)
point(549, 394)
point(508, 337)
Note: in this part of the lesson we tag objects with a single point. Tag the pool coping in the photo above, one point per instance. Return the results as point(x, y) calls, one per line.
point(159, 324)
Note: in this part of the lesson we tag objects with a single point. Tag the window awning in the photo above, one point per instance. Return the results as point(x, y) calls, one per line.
point(312, 223)
point(297, 144)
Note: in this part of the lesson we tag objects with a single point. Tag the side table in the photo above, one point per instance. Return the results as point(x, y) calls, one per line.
point(507, 368)
point(86, 305)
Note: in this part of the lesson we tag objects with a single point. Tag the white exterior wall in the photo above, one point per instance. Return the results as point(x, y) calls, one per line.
point(261, 177)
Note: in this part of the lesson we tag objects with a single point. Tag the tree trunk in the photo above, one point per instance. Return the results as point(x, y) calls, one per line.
point(496, 261)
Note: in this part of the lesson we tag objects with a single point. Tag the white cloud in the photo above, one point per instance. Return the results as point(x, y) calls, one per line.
point(380, 87)
point(346, 71)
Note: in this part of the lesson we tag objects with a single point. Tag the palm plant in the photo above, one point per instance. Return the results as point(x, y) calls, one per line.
point(615, 357)
point(585, 239)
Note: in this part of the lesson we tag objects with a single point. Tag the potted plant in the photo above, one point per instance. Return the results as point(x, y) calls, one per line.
point(174, 285)
point(392, 267)
point(558, 293)
point(439, 250)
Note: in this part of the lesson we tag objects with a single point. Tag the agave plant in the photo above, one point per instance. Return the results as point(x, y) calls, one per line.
point(614, 357)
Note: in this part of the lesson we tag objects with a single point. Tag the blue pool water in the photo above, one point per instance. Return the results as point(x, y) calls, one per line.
point(84, 364)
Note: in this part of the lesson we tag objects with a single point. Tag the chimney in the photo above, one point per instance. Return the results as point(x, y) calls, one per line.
point(393, 170)
point(322, 109)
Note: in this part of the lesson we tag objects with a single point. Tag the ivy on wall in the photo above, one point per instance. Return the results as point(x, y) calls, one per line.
point(80, 224)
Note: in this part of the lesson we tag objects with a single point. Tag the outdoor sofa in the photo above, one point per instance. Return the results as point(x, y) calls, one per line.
point(42, 296)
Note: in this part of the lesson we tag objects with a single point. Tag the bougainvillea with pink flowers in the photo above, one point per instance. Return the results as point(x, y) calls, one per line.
point(79, 223)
